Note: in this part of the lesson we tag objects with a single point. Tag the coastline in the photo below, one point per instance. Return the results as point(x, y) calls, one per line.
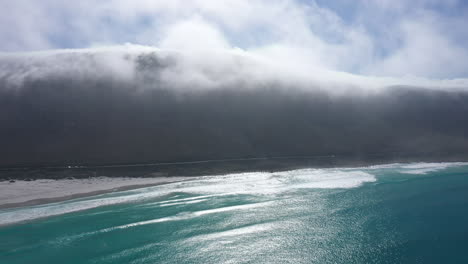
point(43, 191)
point(22, 187)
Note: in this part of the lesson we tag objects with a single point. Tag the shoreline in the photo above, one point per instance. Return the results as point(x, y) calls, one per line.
point(32, 191)
point(45, 191)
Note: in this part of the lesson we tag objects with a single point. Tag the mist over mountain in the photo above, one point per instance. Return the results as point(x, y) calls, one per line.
point(97, 107)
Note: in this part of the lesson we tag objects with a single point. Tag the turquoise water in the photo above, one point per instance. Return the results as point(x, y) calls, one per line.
point(399, 213)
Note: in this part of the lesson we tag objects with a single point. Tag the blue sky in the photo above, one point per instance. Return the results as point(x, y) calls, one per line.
point(396, 38)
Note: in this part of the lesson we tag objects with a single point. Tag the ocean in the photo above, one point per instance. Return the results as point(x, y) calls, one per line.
point(396, 213)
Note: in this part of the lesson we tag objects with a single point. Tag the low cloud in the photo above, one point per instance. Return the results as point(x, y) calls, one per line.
point(198, 68)
point(141, 104)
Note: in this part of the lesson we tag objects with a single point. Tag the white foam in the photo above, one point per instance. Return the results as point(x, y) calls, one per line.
point(188, 215)
point(29, 213)
point(420, 167)
point(254, 183)
point(183, 203)
point(330, 178)
point(258, 183)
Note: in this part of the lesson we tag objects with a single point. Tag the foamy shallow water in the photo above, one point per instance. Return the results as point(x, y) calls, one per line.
point(347, 215)
point(259, 183)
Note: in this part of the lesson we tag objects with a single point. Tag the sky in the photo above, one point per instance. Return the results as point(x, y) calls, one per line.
point(419, 39)
point(174, 75)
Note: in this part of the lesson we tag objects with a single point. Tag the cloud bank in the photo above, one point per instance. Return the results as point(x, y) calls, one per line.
point(196, 69)
point(139, 104)
point(230, 79)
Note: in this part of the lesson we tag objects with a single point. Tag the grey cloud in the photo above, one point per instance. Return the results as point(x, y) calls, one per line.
point(140, 104)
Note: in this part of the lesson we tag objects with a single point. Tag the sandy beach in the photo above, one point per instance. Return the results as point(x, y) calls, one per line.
point(42, 191)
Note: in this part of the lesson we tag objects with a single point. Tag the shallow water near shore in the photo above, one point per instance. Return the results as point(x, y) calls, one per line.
point(396, 213)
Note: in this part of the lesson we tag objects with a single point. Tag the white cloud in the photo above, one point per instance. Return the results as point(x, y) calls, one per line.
point(197, 69)
point(424, 51)
point(193, 35)
point(304, 36)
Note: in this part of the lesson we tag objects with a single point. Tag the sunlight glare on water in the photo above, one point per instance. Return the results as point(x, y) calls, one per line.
point(347, 215)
